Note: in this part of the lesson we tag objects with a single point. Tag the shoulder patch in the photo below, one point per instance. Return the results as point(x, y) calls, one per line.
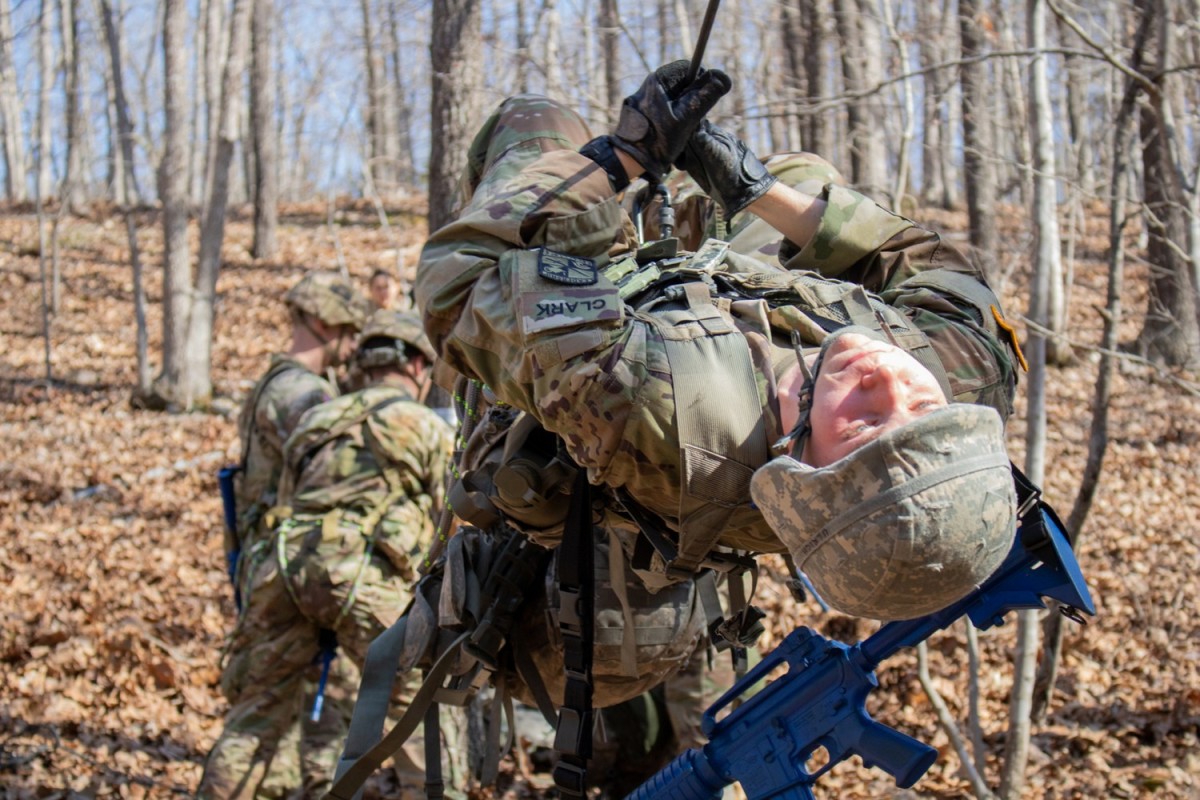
point(568, 269)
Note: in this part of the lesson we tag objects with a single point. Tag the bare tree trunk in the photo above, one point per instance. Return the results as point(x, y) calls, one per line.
point(607, 24)
point(1170, 334)
point(376, 114)
point(196, 386)
point(980, 177)
point(792, 83)
point(175, 190)
point(939, 184)
point(1081, 142)
point(1046, 269)
point(42, 247)
point(1089, 484)
point(1012, 144)
point(456, 60)
point(212, 58)
point(45, 159)
point(899, 187)
point(113, 38)
point(405, 160)
point(860, 65)
point(816, 128)
point(263, 131)
point(74, 180)
point(15, 178)
point(1050, 307)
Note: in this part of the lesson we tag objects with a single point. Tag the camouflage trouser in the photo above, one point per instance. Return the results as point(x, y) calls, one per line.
point(324, 580)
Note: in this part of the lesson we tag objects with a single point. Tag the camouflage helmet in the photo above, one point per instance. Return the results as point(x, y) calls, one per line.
point(905, 525)
point(402, 329)
point(330, 298)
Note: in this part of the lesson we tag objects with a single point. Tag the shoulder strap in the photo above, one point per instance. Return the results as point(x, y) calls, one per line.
point(716, 477)
point(277, 369)
point(576, 589)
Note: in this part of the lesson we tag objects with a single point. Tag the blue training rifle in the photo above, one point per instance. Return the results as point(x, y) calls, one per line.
point(767, 742)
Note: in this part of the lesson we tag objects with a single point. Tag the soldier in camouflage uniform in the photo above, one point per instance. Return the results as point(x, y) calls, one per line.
point(888, 479)
point(362, 477)
point(326, 313)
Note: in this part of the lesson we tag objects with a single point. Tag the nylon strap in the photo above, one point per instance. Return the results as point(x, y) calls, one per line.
point(365, 751)
point(576, 622)
point(722, 437)
point(435, 788)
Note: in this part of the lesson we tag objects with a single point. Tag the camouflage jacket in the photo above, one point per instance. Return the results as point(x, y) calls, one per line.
point(376, 453)
point(271, 413)
point(596, 372)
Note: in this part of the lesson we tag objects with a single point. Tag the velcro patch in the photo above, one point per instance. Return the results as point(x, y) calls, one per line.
point(566, 308)
point(568, 269)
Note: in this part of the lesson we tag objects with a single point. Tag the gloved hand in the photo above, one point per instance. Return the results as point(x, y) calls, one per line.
point(726, 169)
point(658, 118)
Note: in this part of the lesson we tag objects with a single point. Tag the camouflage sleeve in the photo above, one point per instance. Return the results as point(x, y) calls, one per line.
point(932, 282)
point(567, 354)
point(562, 201)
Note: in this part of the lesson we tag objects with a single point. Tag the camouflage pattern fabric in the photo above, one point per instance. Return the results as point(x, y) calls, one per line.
point(518, 131)
point(329, 297)
point(274, 407)
point(324, 571)
point(597, 374)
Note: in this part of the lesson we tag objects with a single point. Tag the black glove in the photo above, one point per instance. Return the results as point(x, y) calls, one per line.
point(726, 169)
point(658, 118)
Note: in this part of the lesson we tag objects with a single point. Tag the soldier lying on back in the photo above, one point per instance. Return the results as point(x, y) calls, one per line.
point(872, 451)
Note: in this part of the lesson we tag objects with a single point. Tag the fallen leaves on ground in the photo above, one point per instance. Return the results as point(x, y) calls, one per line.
point(114, 601)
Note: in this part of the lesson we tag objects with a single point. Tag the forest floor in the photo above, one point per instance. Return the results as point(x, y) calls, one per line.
point(114, 601)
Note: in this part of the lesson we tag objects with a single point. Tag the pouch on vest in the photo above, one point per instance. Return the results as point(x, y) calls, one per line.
point(512, 469)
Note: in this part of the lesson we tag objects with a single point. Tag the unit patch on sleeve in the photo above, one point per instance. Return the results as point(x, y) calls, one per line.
point(568, 269)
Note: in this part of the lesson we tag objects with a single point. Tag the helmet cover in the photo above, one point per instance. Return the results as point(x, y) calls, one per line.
point(330, 298)
point(397, 326)
point(905, 525)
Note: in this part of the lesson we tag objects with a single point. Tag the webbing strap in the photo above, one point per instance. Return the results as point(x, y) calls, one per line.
point(435, 788)
point(533, 680)
point(365, 752)
point(620, 587)
point(576, 622)
point(722, 438)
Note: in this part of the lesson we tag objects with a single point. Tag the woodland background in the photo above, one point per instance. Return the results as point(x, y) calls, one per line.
point(172, 167)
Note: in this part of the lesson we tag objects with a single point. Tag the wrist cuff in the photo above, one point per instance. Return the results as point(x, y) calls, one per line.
point(601, 151)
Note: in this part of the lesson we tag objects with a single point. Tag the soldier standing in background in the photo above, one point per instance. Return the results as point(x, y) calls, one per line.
point(326, 314)
point(362, 477)
point(382, 289)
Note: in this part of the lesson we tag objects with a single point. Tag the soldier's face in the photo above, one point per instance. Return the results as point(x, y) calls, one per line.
point(864, 389)
point(383, 291)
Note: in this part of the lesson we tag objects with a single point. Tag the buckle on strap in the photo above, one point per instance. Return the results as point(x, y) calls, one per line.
point(571, 779)
point(570, 732)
